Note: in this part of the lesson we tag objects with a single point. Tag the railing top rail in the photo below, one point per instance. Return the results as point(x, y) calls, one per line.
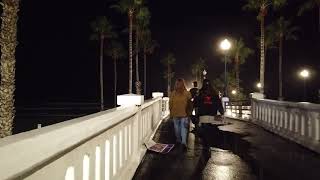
point(23, 152)
point(302, 105)
point(149, 102)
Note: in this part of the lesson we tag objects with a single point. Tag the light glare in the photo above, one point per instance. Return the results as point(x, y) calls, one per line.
point(259, 85)
point(304, 73)
point(225, 45)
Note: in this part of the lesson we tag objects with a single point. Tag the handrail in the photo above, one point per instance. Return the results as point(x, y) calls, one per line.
point(21, 161)
point(25, 153)
point(299, 122)
point(304, 105)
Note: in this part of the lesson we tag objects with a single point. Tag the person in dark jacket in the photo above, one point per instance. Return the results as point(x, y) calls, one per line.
point(208, 103)
point(194, 93)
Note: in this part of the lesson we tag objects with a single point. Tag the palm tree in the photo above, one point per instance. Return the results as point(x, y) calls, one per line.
point(240, 53)
point(269, 42)
point(262, 7)
point(218, 85)
point(148, 46)
point(142, 23)
point(102, 29)
point(8, 44)
point(116, 52)
point(197, 68)
point(310, 4)
point(129, 7)
point(168, 61)
point(282, 30)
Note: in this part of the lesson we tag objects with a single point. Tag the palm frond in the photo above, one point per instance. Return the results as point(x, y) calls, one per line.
point(102, 26)
point(252, 5)
point(118, 8)
point(277, 4)
point(169, 60)
point(310, 4)
point(240, 50)
point(116, 50)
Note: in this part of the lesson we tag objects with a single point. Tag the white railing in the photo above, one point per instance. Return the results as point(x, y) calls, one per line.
point(107, 145)
point(299, 122)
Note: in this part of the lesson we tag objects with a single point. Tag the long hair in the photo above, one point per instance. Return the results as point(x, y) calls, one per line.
point(180, 86)
point(207, 89)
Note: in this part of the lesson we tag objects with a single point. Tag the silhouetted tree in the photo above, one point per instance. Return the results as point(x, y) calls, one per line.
point(168, 61)
point(129, 7)
point(308, 5)
point(148, 46)
point(116, 52)
point(240, 52)
point(282, 30)
point(262, 7)
point(197, 68)
point(102, 30)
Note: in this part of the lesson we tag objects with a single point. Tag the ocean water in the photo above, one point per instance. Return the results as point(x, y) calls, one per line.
point(29, 116)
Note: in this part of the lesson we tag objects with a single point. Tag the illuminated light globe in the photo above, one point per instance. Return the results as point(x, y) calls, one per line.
point(234, 92)
point(225, 45)
point(259, 85)
point(304, 73)
point(204, 72)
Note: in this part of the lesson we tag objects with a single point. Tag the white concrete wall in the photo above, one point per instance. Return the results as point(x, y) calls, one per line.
point(102, 146)
point(299, 122)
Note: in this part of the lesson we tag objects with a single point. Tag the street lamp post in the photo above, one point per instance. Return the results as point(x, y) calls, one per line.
point(304, 74)
point(225, 45)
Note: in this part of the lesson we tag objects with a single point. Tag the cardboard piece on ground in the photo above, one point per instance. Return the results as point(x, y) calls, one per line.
point(159, 147)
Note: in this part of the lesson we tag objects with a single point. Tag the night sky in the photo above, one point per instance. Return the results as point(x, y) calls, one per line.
point(56, 61)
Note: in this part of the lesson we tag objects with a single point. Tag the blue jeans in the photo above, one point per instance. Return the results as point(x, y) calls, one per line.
point(181, 125)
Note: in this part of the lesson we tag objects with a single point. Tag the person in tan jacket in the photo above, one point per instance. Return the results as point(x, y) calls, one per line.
point(180, 109)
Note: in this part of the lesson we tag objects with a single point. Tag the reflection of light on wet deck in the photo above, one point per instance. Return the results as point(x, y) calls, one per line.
point(223, 172)
point(220, 165)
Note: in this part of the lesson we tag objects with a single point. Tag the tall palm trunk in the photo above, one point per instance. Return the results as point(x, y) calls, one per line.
point(262, 55)
point(145, 70)
point(8, 44)
point(138, 83)
point(280, 67)
point(130, 15)
point(266, 51)
point(101, 73)
point(115, 81)
point(237, 73)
